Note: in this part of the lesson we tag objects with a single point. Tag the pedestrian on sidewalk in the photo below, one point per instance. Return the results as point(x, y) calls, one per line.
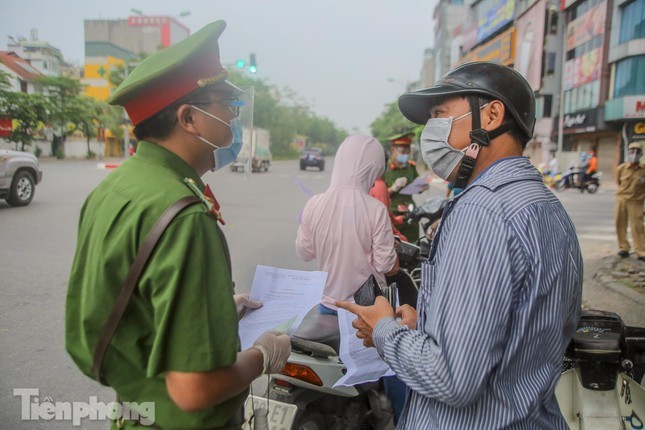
point(629, 202)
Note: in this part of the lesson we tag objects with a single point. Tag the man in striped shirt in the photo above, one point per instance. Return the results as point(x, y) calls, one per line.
point(501, 290)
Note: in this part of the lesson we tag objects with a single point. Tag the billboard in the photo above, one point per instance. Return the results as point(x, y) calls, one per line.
point(500, 50)
point(493, 15)
point(529, 41)
point(582, 70)
point(587, 26)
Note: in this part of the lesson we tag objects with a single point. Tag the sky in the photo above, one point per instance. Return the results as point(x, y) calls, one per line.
point(339, 56)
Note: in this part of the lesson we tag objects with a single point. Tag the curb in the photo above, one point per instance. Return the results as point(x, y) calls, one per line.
point(603, 276)
point(107, 165)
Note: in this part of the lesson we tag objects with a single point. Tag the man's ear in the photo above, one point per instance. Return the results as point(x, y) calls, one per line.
point(493, 115)
point(186, 119)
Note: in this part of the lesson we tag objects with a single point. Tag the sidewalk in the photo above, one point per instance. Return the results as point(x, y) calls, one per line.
point(617, 284)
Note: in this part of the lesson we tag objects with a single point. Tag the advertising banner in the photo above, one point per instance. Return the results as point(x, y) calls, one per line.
point(529, 38)
point(584, 28)
point(493, 15)
point(582, 70)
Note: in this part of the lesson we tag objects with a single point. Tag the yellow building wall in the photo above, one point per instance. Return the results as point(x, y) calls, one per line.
point(98, 86)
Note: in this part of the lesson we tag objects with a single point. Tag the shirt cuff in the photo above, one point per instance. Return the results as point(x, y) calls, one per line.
point(383, 329)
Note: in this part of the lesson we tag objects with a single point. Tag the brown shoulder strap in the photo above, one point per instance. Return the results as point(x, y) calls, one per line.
point(131, 281)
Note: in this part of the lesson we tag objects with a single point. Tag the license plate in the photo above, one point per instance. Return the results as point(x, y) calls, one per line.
point(280, 414)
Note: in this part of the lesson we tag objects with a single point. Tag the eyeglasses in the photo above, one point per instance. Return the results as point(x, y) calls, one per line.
point(233, 104)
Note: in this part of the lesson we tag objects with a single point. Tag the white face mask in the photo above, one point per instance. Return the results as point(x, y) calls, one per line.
point(435, 149)
point(225, 155)
point(634, 156)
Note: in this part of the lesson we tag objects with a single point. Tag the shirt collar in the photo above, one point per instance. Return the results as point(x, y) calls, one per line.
point(505, 171)
point(159, 155)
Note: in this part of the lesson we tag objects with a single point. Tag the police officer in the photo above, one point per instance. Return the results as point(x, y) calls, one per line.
point(177, 342)
point(629, 202)
point(400, 172)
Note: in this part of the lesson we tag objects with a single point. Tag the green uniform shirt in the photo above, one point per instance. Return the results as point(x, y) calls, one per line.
point(181, 316)
point(411, 231)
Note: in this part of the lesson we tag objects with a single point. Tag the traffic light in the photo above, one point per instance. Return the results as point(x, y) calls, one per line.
point(240, 64)
point(252, 67)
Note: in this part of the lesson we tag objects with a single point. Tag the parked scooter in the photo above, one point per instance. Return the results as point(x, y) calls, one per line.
point(601, 386)
point(568, 180)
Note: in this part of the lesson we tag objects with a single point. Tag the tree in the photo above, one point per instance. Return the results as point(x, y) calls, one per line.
point(67, 110)
point(284, 114)
point(390, 123)
point(29, 111)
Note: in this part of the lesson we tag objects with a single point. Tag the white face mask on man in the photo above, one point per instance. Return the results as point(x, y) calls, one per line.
point(435, 149)
point(224, 155)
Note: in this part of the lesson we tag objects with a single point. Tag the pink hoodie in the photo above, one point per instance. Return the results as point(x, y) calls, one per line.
point(345, 229)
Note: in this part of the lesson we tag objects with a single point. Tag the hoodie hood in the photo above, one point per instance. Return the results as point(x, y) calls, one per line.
point(359, 162)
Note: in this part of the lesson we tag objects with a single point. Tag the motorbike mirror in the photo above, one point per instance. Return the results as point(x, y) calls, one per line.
point(433, 205)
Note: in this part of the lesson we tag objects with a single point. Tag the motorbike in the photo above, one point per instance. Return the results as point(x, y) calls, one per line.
point(411, 255)
point(568, 180)
point(303, 395)
point(601, 386)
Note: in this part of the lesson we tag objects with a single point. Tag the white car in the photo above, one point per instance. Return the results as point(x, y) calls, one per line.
point(19, 174)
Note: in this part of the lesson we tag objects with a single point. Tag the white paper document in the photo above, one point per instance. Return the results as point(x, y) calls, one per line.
point(363, 364)
point(415, 187)
point(286, 296)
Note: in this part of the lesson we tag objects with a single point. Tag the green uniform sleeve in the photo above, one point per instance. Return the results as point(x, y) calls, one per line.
point(189, 285)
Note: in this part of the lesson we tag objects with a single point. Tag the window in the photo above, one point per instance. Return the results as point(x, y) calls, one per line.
point(550, 63)
point(632, 24)
point(553, 21)
point(629, 77)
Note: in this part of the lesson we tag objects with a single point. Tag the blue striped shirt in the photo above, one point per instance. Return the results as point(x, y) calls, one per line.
point(498, 304)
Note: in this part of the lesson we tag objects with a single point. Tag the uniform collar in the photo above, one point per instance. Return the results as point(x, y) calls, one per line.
point(159, 155)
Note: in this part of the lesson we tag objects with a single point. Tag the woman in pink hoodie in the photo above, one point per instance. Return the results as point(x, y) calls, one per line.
point(346, 230)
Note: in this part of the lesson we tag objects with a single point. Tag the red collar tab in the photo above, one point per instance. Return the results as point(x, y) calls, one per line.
point(207, 197)
point(215, 209)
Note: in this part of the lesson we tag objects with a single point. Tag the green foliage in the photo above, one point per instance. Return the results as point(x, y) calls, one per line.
point(390, 123)
point(284, 115)
point(29, 110)
point(38, 152)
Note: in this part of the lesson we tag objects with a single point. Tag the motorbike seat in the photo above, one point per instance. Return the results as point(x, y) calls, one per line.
point(316, 329)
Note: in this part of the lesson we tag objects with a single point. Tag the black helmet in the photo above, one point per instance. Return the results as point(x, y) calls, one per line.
point(478, 78)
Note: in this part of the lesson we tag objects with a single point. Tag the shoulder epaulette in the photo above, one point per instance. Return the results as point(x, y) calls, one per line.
point(208, 200)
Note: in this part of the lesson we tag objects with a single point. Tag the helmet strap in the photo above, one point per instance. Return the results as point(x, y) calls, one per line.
point(478, 138)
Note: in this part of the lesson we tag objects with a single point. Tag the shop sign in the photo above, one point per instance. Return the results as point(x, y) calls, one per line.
point(635, 131)
point(6, 127)
point(496, 15)
point(500, 50)
point(581, 122)
point(147, 21)
point(634, 106)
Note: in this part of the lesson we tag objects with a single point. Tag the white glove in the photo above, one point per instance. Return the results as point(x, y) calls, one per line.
point(275, 348)
point(242, 302)
point(399, 183)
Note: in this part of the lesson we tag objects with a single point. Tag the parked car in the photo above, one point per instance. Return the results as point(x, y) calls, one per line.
point(19, 174)
point(312, 157)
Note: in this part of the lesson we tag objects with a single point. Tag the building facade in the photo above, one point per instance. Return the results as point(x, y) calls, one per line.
point(625, 105)
point(45, 58)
